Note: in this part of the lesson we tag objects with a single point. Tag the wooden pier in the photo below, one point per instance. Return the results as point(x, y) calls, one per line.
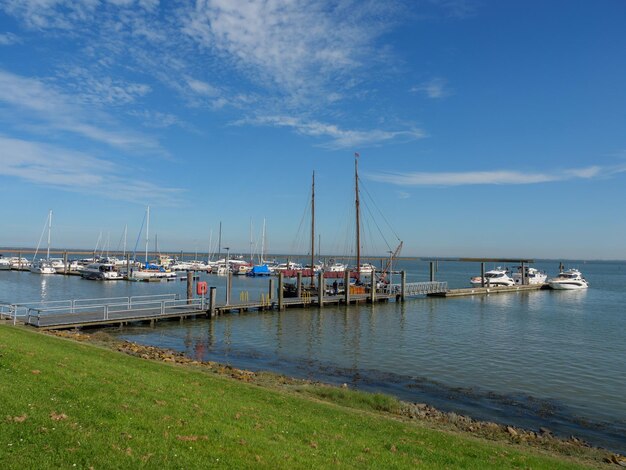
point(120, 311)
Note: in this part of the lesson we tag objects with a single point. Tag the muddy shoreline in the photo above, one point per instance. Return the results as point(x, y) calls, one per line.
point(542, 438)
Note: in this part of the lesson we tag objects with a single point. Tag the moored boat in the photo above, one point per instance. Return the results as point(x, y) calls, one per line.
point(533, 276)
point(495, 278)
point(571, 279)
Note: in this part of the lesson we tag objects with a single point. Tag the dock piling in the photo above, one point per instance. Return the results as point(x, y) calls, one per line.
point(212, 299)
point(320, 288)
point(189, 286)
point(402, 285)
point(299, 284)
point(280, 292)
point(346, 287)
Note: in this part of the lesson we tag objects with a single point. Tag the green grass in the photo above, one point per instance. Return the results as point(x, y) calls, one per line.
point(65, 404)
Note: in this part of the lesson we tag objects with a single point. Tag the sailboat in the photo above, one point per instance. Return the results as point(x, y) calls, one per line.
point(149, 271)
point(43, 266)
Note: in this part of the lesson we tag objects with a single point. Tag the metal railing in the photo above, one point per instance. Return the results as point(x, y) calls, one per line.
point(130, 308)
point(412, 289)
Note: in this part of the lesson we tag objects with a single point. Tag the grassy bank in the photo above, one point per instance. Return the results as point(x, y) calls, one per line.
point(68, 404)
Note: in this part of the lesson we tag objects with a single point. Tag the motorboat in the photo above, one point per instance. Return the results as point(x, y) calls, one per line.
point(101, 272)
point(495, 278)
point(568, 280)
point(367, 268)
point(337, 267)
point(5, 264)
point(19, 263)
point(533, 276)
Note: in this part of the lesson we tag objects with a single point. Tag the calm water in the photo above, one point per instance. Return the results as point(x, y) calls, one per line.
point(554, 359)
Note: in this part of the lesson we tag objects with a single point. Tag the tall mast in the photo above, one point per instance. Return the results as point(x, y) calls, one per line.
point(251, 247)
point(49, 229)
point(358, 215)
point(147, 231)
point(125, 236)
point(219, 243)
point(208, 255)
point(313, 230)
point(262, 260)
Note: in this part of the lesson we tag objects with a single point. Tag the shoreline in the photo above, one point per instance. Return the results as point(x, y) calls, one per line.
point(422, 413)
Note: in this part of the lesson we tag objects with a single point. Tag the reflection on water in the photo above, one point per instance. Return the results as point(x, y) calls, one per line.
point(550, 359)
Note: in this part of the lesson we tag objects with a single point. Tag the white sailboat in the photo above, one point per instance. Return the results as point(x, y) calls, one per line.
point(43, 266)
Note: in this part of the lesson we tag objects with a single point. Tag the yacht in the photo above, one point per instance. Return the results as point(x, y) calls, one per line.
point(337, 267)
point(19, 263)
point(495, 278)
point(101, 272)
point(568, 280)
point(367, 268)
point(533, 276)
point(5, 264)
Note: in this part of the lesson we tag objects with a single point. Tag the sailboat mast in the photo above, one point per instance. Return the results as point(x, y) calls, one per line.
point(125, 236)
point(251, 247)
point(313, 230)
point(219, 243)
point(147, 231)
point(262, 260)
point(358, 215)
point(49, 230)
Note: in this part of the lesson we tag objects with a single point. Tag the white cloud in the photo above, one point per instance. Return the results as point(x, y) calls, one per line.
point(491, 177)
point(6, 39)
point(435, 88)
point(58, 111)
point(297, 45)
point(60, 168)
point(339, 138)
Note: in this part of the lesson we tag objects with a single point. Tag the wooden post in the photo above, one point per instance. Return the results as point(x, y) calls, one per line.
point(373, 288)
point(432, 271)
point(270, 294)
point(346, 284)
point(189, 286)
point(212, 299)
point(299, 284)
point(128, 266)
point(229, 285)
point(320, 288)
point(402, 285)
point(65, 262)
point(280, 291)
point(482, 274)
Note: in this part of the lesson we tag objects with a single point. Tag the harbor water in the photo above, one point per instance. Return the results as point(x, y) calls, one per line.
point(554, 359)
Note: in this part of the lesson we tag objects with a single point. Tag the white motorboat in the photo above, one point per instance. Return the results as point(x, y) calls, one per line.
point(367, 268)
point(533, 276)
point(337, 268)
point(19, 263)
point(568, 280)
point(5, 264)
point(101, 272)
point(495, 278)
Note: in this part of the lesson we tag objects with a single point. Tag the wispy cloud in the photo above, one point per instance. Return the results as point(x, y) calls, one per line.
point(435, 88)
point(55, 110)
point(6, 39)
point(491, 177)
point(337, 138)
point(298, 45)
point(60, 168)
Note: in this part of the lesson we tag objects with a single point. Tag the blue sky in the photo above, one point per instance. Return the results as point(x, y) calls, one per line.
point(484, 128)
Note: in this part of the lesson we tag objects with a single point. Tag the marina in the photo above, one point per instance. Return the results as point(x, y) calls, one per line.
point(525, 355)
